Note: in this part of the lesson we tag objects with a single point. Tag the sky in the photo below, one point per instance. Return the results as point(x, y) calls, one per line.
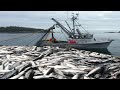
point(91, 20)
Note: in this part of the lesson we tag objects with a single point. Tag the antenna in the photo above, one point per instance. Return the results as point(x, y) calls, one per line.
point(72, 14)
point(77, 14)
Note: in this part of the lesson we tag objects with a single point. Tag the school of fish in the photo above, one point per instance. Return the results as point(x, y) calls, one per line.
point(48, 62)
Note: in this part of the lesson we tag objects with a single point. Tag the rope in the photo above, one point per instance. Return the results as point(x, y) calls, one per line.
point(23, 37)
point(64, 35)
point(39, 41)
point(47, 36)
point(32, 40)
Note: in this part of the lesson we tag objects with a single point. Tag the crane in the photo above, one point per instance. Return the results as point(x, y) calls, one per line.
point(70, 34)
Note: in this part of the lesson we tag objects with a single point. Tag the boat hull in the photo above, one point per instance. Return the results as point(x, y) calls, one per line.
point(81, 46)
point(91, 45)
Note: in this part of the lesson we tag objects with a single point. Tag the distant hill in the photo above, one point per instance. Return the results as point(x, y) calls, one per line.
point(15, 29)
point(113, 32)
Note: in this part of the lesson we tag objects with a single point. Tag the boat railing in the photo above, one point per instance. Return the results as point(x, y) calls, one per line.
point(103, 39)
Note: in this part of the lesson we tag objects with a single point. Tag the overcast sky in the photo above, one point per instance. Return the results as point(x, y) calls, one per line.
point(91, 20)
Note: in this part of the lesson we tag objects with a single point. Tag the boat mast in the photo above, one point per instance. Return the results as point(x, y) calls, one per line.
point(73, 19)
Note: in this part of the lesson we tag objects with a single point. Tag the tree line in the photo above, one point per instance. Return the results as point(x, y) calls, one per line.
point(16, 29)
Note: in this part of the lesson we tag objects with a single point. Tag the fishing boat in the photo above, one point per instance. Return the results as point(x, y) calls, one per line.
point(76, 39)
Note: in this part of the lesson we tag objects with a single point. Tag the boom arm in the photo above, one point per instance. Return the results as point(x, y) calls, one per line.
point(40, 41)
point(63, 28)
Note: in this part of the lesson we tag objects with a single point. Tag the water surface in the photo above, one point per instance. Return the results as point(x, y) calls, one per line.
point(32, 38)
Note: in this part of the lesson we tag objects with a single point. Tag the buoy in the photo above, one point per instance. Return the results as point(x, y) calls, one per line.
point(52, 40)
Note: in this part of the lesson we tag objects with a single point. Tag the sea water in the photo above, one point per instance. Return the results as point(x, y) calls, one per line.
point(32, 38)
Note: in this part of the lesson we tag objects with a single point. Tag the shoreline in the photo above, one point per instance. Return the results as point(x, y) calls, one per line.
point(24, 32)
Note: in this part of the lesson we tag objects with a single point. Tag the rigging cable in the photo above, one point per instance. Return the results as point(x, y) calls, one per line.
point(82, 27)
point(39, 41)
point(68, 26)
point(64, 34)
point(47, 36)
point(80, 32)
